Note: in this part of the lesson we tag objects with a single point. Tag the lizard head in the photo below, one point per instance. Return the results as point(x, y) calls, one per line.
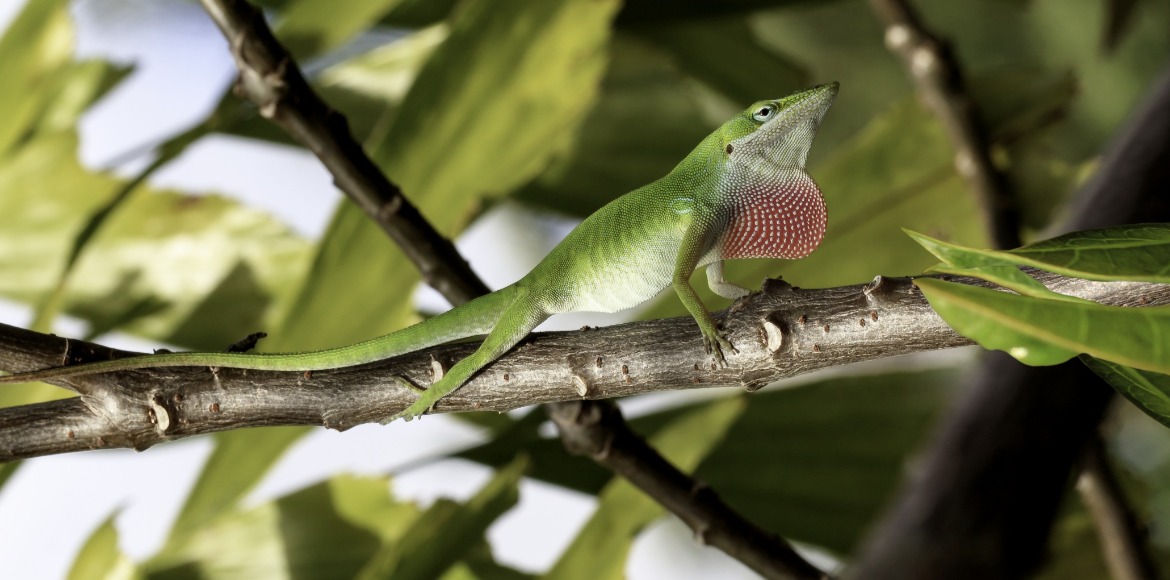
point(777, 134)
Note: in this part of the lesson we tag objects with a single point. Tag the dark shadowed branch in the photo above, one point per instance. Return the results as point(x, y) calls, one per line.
point(599, 432)
point(270, 78)
point(1123, 538)
point(939, 80)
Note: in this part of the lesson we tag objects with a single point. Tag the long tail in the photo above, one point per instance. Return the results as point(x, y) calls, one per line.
point(471, 319)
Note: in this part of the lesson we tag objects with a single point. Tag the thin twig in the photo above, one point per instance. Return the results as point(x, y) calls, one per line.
point(600, 432)
point(940, 84)
point(1123, 539)
point(270, 78)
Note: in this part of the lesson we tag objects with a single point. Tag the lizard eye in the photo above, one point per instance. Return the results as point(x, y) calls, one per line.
point(764, 113)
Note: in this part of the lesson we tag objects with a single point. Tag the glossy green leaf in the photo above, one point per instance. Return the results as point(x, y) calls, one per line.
point(984, 265)
point(601, 548)
point(417, 13)
point(492, 106)
point(1147, 390)
point(75, 87)
point(441, 535)
point(100, 557)
point(1046, 332)
point(815, 463)
point(1138, 252)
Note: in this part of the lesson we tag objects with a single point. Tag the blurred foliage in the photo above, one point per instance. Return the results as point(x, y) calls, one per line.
point(561, 105)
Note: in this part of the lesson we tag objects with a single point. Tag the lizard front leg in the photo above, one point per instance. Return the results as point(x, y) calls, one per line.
point(694, 244)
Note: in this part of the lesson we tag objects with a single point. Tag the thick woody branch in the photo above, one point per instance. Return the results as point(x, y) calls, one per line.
point(598, 431)
point(781, 332)
point(271, 79)
point(940, 85)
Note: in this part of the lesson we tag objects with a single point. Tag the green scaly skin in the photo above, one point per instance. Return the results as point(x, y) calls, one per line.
point(742, 193)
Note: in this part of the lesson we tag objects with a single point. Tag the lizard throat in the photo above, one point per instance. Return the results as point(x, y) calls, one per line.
point(781, 218)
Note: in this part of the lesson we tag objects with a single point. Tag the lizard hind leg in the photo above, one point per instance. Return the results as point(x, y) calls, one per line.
point(514, 324)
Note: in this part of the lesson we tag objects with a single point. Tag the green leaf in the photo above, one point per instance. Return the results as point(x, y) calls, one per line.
point(645, 120)
point(772, 464)
point(817, 463)
point(239, 461)
point(962, 261)
point(6, 471)
point(1148, 391)
point(726, 55)
point(302, 535)
point(1138, 253)
point(601, 549)
point(1045, 332)
point(37, 44)
point(100, 557)
point(492, 106)
point(444, 533)
point(308, 28)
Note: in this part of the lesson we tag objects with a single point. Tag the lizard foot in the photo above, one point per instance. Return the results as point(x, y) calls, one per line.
point(422, 406)
point(715, 345)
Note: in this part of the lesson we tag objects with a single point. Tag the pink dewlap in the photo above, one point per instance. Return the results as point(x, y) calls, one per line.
point(776, 221)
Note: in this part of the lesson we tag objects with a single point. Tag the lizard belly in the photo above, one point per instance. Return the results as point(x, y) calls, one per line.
point(616, 285)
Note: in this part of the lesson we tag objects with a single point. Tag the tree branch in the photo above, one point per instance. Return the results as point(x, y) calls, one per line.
point(781, 332)
point(939, 80)
point(1123, 539)
point(600, 432)
point(270, 78)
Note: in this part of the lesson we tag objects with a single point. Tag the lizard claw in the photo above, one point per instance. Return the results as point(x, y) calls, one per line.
point(715, 345)
point(420, 407)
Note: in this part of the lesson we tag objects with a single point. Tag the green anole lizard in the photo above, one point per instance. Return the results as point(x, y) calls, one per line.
point(742, 193)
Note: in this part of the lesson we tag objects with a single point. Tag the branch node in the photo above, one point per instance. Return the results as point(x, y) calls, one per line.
point(773, 335)
point(582, 385)
point(898, 37)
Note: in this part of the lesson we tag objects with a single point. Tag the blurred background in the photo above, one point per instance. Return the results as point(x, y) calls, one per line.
point(505, 124)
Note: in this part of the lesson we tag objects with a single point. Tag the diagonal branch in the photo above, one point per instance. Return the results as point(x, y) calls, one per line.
point(270, 78)
point(600, 432)
point(940, 84)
